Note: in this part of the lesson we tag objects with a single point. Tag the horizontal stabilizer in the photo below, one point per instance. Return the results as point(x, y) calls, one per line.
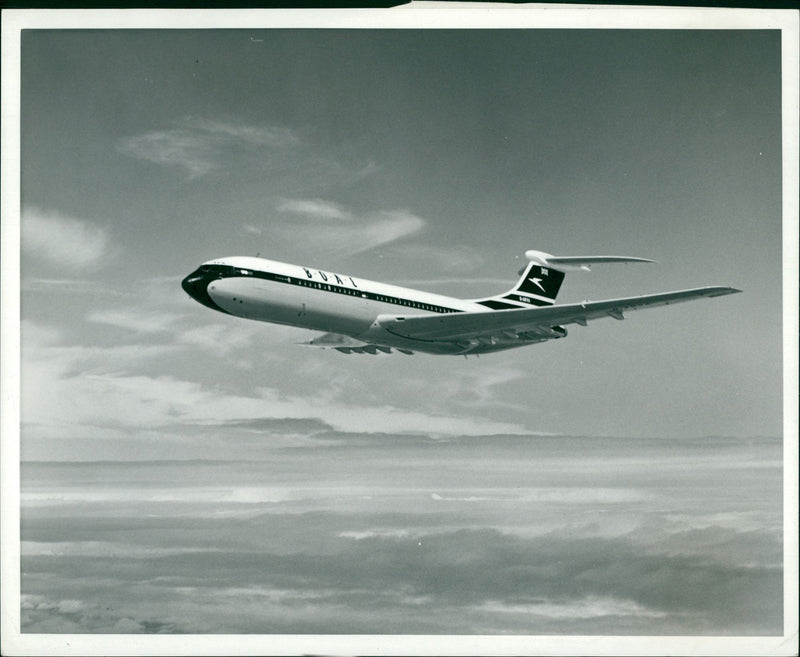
point(573, 263)
point(590, 260)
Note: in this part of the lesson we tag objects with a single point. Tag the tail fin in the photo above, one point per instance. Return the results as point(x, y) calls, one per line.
point(538, 287)
point(542, 278)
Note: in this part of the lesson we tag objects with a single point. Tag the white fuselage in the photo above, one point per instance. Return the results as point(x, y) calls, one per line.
point(318, 299)
point(355, 313)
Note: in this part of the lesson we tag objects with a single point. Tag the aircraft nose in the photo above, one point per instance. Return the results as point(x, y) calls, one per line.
point(189, 284)
point(196, 286)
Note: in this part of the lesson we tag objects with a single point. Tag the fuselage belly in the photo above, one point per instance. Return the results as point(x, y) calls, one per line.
point(302, 307)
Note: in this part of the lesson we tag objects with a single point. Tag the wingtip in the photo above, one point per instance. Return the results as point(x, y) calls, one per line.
point(722, 291)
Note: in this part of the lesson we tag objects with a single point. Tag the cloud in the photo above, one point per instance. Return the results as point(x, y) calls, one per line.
point(249, 229)
point(490, 536)
point(151, 312)
point(70, 286)
point(589, 607)
point(90, 404)
point(136, 401)
point(388, 227)
point(199, 146)
point(281, 425)
point(219, 339)
point(315, 209)
point(174, 148)
point(487, 385)
point(75, 390)
point(390, 579)
point(245, 134)
point(135, 321)
point(478, 388)
point(310, 223)
point(327, 225)
point(61, 240)
point(450, 258)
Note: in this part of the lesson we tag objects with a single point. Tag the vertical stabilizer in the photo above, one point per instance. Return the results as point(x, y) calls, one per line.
point(541, 282)
point(543, 276)
point(538, 286)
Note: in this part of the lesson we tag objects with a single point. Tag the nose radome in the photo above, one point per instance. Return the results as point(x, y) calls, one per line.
point(196, 286)
point(191, 284)
point(187, 285)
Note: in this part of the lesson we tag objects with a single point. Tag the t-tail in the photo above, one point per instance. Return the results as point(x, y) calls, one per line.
point(542, 278)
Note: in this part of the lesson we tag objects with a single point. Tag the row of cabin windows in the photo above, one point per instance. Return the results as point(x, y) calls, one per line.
point(413, 304)
point(331, 288)
point(377, 297)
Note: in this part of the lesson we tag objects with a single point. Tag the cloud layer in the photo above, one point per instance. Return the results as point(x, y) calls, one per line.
point(364, 536)
point(57, 239)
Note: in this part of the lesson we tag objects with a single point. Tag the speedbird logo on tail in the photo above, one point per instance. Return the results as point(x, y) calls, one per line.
point(537, 282)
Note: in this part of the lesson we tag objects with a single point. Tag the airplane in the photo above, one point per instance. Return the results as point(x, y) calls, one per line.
point(361, 316)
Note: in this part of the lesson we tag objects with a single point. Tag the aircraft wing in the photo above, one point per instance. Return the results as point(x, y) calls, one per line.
point(471, 325)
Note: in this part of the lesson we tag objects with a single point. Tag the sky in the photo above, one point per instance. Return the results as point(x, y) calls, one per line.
point(431, 159)
point(625, 480)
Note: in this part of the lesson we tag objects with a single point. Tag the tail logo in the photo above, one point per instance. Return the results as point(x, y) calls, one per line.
point(537, 282)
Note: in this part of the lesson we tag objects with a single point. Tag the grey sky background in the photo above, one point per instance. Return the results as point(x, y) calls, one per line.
point(626, 480)
point(428, 158)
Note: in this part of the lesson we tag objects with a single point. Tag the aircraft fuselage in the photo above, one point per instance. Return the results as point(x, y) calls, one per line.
point(362, 316)
point(320, 300)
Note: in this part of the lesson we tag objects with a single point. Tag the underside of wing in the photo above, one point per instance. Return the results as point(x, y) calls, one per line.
point(347, 345)
point(542, 321)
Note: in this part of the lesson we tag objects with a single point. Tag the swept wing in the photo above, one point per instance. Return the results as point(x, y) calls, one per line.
point(485, 325)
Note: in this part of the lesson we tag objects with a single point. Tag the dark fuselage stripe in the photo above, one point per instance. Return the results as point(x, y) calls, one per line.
point(500, 305)
point(228, 271)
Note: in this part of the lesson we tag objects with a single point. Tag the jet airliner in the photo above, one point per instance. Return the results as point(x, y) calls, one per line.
point(362, 316)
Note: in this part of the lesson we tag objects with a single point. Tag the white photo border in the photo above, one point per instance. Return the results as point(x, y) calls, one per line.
point(423, 15)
